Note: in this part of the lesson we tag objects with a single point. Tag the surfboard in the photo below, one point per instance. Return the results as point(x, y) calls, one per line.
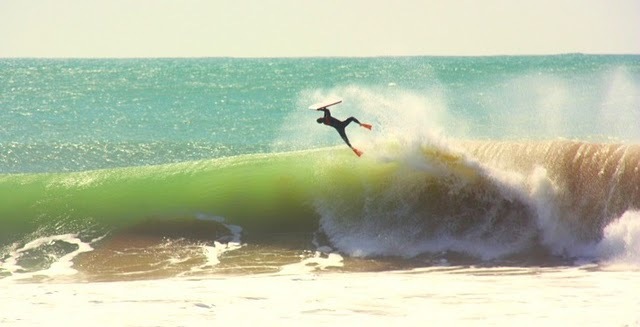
point(324, 104)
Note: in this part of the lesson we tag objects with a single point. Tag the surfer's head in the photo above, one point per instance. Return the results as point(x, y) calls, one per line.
point(319, 120)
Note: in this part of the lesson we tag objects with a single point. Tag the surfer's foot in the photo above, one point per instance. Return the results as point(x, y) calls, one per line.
point(357, 152)
point(367, 126)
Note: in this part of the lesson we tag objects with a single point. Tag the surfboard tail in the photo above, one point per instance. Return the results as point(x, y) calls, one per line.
point(357, 152)
point(367, 126)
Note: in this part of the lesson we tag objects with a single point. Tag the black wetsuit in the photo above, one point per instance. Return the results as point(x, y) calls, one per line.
point(338, 124)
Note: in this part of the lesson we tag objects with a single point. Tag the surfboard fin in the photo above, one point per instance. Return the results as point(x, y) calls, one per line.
point(367, 126)
point(357, 152)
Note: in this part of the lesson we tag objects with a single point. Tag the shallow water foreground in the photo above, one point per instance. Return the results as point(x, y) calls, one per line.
point(580, 296)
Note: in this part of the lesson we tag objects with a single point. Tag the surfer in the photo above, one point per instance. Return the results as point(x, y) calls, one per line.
point(340, 126)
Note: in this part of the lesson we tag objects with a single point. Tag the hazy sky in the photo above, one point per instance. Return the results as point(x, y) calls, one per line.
point(292, 28)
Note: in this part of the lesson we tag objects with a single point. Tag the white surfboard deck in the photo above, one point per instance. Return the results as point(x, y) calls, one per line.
point(324, 104)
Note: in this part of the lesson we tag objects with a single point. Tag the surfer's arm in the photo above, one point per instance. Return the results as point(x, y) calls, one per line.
point(327, 113)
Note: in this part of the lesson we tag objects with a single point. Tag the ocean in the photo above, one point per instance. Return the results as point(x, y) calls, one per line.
point(179, 192)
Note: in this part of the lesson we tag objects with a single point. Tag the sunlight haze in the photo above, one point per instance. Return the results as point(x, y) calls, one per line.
point(292, 28)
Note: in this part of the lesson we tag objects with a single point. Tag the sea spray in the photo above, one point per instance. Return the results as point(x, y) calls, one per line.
point(620, 245)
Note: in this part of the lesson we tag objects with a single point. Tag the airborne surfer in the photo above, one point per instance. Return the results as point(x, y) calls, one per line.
point(340, 126)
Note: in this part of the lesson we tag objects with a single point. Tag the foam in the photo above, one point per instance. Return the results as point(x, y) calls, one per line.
point(318, 261)
point(61, 267)
point(620, 245)
point(220, 246)
point(555, 235)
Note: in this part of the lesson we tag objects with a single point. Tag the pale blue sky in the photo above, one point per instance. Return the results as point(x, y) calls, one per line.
point(292, 28)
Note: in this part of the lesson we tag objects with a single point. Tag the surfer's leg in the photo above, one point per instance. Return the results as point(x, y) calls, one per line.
point(346, 140)
point(344, 136)
point(350, 119)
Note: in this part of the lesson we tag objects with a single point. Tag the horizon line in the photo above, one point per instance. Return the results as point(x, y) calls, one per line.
point(324, 56)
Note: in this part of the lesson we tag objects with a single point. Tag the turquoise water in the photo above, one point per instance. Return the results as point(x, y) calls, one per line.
point(481, 158)
point(75, 115)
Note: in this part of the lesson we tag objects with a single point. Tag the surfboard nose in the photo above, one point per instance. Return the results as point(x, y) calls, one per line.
point(324, 104)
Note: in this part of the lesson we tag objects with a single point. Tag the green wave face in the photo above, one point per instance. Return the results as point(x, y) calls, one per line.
point(417, 195)
point(257, 191)
point(274, 192)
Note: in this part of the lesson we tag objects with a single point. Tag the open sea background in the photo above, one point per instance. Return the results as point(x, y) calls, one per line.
point(492, 191)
